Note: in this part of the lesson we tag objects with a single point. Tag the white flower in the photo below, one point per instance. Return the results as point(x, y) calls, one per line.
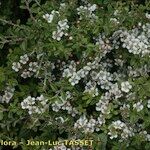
point(115, 91)
point(116, 12)
point(136, 40)
point(126, 86)
point(25, 74)
point(81, 122)
point(138, 106)
point(8, 94)
point(16, 66)
point(57, 105)
point(32, 109)
point(57, 35)
point(148, 104)
point(68, 72)
point(92, 7)
point(48, 17)
point(61, 28)
point(91, 89)
point(62, 5)
point(70, 38)
point(100, 120)
point(74, 79)
point(24, 59)
point(147, 16)
point(24, 104)
point(114, 20)
point(102, 106)
point(81, 73)
point(40, 98)
point(86, 69)
point(30, 103)
point(87, 11)
point(68, 95)
point(90, 126)
point(148, 137)
point(73, 112)
point(33, 66)
point(62, 25)
point(120, 128)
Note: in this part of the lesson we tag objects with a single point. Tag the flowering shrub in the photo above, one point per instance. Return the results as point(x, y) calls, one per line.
point(77, 70)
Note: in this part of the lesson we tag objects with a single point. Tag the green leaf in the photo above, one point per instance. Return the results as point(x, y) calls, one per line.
point(53, 86)
point(23, 46)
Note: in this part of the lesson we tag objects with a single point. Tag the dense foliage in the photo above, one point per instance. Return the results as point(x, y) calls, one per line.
point(75, 69)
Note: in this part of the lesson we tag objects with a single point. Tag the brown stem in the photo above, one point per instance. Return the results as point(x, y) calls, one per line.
point(4, 41)
point(29, 10)
point(10, 23)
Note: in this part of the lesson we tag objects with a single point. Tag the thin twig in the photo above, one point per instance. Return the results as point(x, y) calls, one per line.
point(8, 37)
point(29, 10)
point(10, 23)
point(45, 11)
point(13, 24)
point(4, 41)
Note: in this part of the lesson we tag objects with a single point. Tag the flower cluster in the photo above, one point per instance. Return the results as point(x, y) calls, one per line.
point(103, 104)
point(62, 28)
point(18, 65)
point(33, 66)
point(91, 89)
point(115, 91)
point(37, 68)
point(104, 44)
point(125, 110)
point(35, 105)
point(8, 94)
point(126, 86)
point(45, 68)
point(75, 77)
point(91, 125)
point(142, 71)
point(104, 79)
point(145, 135)
point(64, 104)
point(100, 121)
point(88, 126)
point(136, 41)
point(120, 128)
point(138, 106)
point(114, 20)
point(69, 70)
point(49, 17)
point(27, 68)
point(87, 11)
